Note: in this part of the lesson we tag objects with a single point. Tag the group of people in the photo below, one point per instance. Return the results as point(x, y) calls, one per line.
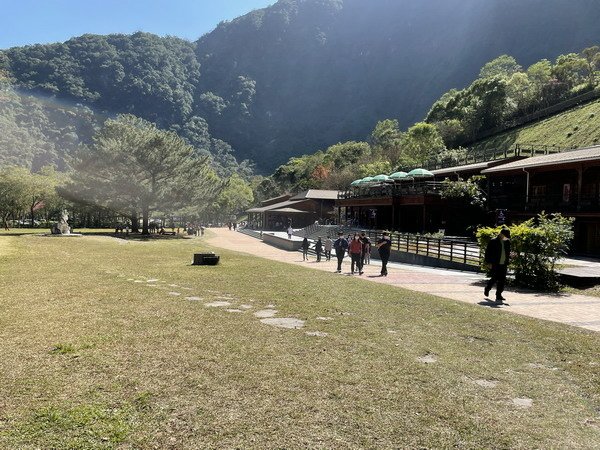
point(357, 247)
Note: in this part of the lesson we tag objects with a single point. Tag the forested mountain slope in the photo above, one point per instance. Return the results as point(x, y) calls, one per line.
point(303, 74)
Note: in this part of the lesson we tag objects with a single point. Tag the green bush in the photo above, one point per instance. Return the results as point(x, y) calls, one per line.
point(536, 245)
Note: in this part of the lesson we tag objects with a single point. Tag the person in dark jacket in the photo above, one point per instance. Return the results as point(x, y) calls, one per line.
point(497, 258)
point(340, 245)
point(319, 249)
point(366, 250)
point(384, 245)
point(305, 249)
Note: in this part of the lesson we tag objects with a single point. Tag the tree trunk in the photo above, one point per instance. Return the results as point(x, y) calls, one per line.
point(145, 216)
point(32, 217)
point(134, 222)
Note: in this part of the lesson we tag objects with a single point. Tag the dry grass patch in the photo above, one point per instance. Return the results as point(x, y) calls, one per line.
point(92, 360)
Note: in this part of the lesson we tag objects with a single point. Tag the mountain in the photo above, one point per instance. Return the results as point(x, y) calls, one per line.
point(300, 75)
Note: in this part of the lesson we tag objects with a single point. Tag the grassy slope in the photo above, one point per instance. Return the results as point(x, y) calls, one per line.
point(578, 127)
point(91, 360)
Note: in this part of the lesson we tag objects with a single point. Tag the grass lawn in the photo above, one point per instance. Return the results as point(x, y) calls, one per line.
point(92, 359)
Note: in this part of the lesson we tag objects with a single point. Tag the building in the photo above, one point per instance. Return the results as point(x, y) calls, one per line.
point(567, 182)
point(300, 210)
point(516, 187)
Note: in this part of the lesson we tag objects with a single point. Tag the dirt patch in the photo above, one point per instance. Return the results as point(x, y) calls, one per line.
point(265, 313)
point(427, 359)
point(217, 304)
point(488, 384)
point(522, 402)
point(317, 333)
point(194, 299)
point(175, 294)
point(233, 310)
point(284, 322)
point(325, 319)
point(246, 306)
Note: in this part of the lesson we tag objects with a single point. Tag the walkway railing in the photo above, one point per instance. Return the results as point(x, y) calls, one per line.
point(455, 250)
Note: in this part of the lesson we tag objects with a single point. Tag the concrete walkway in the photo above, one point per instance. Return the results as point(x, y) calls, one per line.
point(576, 310)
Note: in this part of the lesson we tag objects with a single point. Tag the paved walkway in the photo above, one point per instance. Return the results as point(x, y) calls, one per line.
point(576, 310)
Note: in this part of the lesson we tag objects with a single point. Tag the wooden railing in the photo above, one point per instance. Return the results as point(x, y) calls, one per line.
point(456, 250)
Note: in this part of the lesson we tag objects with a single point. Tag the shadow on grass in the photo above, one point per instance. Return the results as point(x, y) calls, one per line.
point(492, 304)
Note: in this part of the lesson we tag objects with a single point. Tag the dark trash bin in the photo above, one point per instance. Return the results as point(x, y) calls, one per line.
point(205, 259)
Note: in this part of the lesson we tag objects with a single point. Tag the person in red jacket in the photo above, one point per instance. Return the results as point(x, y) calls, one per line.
point(355, 249)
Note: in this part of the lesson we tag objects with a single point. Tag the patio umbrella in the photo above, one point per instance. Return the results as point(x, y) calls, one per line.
point(398, 175)
point(356, 182)
point(366, 180)
point(381, 178)
point(420, 173)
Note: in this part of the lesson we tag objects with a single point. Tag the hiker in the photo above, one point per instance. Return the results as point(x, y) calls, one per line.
point(305, 249)
point(384, 246)
point(366, 249)
point(319, 248)
point(340, 246)
point(328, 247)
point(355, 251)
point(497, 257)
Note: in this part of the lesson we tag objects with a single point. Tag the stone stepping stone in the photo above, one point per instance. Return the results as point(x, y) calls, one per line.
point(317, 333)
point(325, 319)
point(245, 306)
point(225, 297)
point(427, 359)
point(173, 285)
point(138, 281)
point(522, 402)
point(270, 306)
point(175, 294)
point(152, 285)
point(152, 280)
point(265, 313)
point(194, 299)
point(488, 384)
point(392, 332)
point(217, 304)
point(233, 310)
point(284, 322)
point(129, 279)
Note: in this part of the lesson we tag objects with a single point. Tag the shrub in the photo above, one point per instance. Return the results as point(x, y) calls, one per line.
point(536, 245)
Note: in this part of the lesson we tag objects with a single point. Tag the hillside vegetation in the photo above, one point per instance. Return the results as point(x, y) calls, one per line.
point(300, 75)
point(577, 127)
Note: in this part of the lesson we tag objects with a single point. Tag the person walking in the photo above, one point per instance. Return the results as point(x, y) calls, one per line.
point(328, 247)
point(366, 249)
point(340, 246)
point(319, 248)
point(384, 246)
point(355, 252)
point(497, 258)
point(305, 249)
point(290, 231)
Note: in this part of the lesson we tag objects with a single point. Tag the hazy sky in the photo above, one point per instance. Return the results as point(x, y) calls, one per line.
point(25, 22)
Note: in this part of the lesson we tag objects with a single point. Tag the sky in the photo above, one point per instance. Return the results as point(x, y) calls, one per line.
point(24, 22)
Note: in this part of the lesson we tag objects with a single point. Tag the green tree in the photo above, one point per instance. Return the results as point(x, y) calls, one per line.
point(419, 143)
point(235, 197)
point(134, 166)
point(14, 198)
point(503, 65)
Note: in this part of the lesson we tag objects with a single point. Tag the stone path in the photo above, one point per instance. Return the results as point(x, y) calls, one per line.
point(576, 310)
